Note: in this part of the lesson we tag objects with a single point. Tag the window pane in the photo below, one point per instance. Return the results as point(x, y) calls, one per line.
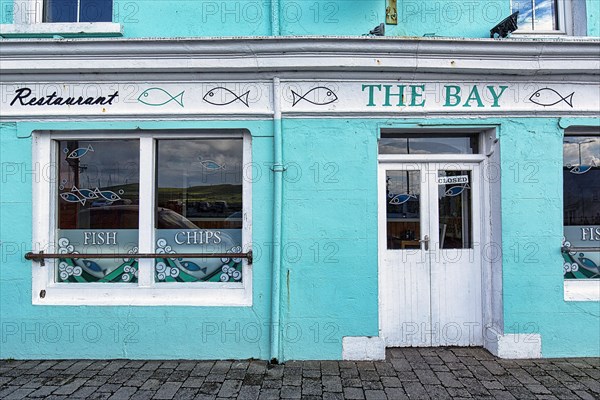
point(199, 199)
point(581, 202)
point(98, 198)
point(403, 194)
point(539, 15)
point(428, 145)
point(95, 11)
point(60, 11)
point(454, 196)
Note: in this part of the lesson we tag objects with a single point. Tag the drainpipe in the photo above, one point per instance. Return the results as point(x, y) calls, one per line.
point(277, 216)
point(275, 27)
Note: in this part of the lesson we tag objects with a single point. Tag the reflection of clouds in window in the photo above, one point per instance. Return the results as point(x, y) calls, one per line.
point(112, 163)
point(544, 15)
point(454, 145)
point(180, 162)
point(537, 15)
point(588, 148)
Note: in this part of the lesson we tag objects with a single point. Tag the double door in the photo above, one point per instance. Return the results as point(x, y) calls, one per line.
point(429, 254)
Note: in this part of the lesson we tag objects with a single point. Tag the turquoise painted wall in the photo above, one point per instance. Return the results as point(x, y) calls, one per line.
point(202, 18)
point(532, 235)
point(593, 13)
point(329, 279)
point(122, 332)
point(329, 235)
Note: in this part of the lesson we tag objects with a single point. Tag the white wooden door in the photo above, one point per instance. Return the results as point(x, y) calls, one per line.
point(429, 255)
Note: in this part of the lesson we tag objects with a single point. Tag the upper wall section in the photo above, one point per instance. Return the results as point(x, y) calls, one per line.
point(226, 18)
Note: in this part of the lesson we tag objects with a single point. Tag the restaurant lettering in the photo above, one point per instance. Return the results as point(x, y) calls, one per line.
point(23, 96)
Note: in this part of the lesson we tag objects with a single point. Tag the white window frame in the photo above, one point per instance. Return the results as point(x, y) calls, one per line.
point(580, 289)
point(28, 19)
point(146, 292)
point(564, 9)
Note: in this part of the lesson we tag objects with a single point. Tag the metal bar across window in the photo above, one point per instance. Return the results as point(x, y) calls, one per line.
point(569, 249)
point(41, 255)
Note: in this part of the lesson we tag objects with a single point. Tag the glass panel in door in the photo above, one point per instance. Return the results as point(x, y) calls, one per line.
point(403, 211)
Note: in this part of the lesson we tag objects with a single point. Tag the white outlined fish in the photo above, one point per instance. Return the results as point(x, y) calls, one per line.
point(80, 152)
point(320, 96)
point(72, 198)
point(549, 97)
point(159, 97)
point(221, 96)
point(210, 165)
point(401, 198)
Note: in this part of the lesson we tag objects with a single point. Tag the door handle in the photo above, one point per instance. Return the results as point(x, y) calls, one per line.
point(425, 241)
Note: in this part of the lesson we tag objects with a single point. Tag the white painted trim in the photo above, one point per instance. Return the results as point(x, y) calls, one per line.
point(582, 290)
point(316, 54)
point(62, 29)
point(514, 346)
point(402, 158)
point(146, 292)
point(363, 348)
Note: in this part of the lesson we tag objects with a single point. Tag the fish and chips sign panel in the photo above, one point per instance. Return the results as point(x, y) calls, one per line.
point(327, 97)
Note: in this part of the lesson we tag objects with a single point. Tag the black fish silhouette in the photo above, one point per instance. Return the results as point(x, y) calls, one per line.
point(320, 96)
point(221, 96)
point(548, 97)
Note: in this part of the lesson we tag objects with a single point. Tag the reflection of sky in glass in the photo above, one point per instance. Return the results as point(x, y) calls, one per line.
point(451, 145)
point(539, 15)
point(587, 145)
point(404, 182)
point(111, 163)
point(180, 162)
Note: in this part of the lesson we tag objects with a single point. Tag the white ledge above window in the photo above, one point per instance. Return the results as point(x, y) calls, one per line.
point(582, 290)
point(67, 29)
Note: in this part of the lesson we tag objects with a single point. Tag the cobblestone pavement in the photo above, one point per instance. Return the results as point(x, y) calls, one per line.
point(436, 373)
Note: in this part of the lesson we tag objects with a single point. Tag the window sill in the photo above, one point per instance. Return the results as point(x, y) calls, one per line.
point(125, 295)
point(582, 290)
point(79, 29)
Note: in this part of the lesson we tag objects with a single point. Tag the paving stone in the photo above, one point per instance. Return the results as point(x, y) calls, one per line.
point(143, 395)
point(43, 391)
point(269, 394)
point(210, 388)
point(353, 393)
point(394, 393)
point(85, 392)
point(437, 392)
point(18, 394)
point(230, 388)
point(332, 383)
point(332, 396)
point(375, 395)
point(437, 373)
point(249, 392)
point(186, 393)
point(415, 390)
point(124, 393)
point(167, 390)
point(291, 392)
point(391, 381)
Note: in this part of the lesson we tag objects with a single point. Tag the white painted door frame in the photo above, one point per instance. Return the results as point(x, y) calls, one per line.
point(427, 279)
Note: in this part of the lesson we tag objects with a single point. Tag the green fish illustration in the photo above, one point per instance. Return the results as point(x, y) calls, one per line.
point(159, 97)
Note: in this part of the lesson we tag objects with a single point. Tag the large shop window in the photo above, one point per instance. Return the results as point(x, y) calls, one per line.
point(544, 16)
point(164, 193)
point(581, 203)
